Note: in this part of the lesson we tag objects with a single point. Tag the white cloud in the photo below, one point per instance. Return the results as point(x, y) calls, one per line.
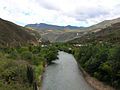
point(59, 12)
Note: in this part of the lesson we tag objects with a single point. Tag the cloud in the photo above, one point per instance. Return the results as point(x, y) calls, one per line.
point(59, 12)
point(88, 13)
point(47, 5)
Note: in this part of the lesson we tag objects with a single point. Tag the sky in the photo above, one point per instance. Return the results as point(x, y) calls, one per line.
point(59, 12)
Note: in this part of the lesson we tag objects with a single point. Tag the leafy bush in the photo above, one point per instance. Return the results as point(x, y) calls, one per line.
point(26, 55)
point(101, 61)
point(21, 67)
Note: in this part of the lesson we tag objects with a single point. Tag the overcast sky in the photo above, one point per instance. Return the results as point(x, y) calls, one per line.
point(59, 12)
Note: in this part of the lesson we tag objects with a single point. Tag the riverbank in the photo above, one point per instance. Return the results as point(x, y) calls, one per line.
point(41, 78)
point(96, 84)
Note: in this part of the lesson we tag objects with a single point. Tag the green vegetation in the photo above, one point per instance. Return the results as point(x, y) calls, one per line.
point(21, 64)
point(99, 54)
point(21, 67)
point(101, 61)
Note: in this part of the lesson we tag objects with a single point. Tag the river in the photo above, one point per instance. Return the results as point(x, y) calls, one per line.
point(64, 74)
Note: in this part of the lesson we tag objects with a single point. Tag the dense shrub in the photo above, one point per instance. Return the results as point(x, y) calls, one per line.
point(26, 55)
point(101, 61)
point(21, 67)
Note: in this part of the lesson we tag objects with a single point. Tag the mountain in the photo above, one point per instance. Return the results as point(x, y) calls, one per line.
point(102, 24)
point(100, 31)
point(109, 34)
point(14, 35)
point(56, 33)
point(67, 36)
point(44, 26)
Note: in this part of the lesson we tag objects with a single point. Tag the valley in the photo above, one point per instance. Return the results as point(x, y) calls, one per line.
point(48, 56)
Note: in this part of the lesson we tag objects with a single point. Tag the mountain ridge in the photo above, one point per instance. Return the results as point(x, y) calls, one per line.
point(67, 33)
point(64, 34)
point(103, 24)
point(52, 27)
point(110, 34)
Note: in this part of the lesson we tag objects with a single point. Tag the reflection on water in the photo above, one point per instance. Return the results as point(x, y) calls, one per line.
point(64, 74)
